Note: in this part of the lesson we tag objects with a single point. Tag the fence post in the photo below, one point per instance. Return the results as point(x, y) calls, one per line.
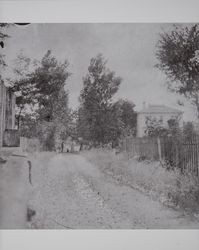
point(125, 146)
point(159, 149)
point(177, 156)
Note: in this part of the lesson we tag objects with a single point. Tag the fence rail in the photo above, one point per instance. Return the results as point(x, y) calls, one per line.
point(178, 153)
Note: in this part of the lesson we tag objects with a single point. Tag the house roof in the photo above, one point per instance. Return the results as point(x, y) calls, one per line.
point(159, 109)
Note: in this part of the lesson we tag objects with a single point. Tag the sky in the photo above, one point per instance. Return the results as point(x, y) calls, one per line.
point(129, 48)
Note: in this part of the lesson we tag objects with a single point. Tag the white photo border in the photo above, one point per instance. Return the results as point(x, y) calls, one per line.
point(101, 11)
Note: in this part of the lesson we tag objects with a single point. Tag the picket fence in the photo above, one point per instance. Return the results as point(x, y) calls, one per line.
point(178, 153)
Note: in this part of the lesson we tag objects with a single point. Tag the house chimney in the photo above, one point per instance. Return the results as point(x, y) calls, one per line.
point(144, 105)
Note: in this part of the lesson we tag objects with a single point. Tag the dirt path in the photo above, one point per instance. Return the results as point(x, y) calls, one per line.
point(69, 192)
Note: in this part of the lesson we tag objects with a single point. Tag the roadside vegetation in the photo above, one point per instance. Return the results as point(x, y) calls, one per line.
point(169, 187)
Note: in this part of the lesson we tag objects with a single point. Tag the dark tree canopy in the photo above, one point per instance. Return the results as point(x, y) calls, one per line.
point(48, 80)
point(178, 56)
point(189, 131)
point(41, 88)
point(127, 116)
point(43, 85)
point(155, 128)
point(99, 86)
point(3, 36)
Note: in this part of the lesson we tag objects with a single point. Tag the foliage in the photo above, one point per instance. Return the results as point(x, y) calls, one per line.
point(42, 94)
point(155, 128)
point(39, 84)
point(46, 134)
point(178, 55)
point(48, 80)
point(3, 36)
point(174, 128)
point(29, 128)
point(128, 117)
point(96, 119)
point(189, 131)
point(83, 125)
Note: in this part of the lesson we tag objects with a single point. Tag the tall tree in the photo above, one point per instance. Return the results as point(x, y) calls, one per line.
point(178, 55)
point(39, 85)
point(128, 117)
point(42, 88)
point(48, 80)
point(99, 86)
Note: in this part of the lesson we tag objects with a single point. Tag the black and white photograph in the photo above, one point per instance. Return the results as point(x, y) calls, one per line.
point(99, 126)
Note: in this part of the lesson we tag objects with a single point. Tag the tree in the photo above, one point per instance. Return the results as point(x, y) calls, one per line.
point(128, 117)
point(174, 128)
point(29, 126)
point(99, 86)
point(154, 128)
point(83, 126)
point(3, 36)
point(189, 131)
point(47, 81)
point(41, 87)
point(178, 55)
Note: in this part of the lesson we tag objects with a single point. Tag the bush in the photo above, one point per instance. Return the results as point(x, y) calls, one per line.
point(46, 135)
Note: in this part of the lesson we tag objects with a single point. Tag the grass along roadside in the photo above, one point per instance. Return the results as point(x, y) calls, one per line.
point(169, 187)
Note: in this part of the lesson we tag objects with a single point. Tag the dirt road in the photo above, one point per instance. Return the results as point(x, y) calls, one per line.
point(69, 192)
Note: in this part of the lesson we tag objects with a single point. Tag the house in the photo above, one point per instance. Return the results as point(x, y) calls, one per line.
point(161, 113)
point(7, 111)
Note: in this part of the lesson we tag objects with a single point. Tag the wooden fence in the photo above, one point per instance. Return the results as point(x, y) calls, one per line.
point(11, 138)
point(29, 145)
point(141, 147)
point(178, 153)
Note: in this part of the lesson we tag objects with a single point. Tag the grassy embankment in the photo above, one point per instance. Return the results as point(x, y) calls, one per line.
point(169, 187)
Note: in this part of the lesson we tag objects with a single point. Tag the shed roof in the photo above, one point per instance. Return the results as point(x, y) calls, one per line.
point(159, 109)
